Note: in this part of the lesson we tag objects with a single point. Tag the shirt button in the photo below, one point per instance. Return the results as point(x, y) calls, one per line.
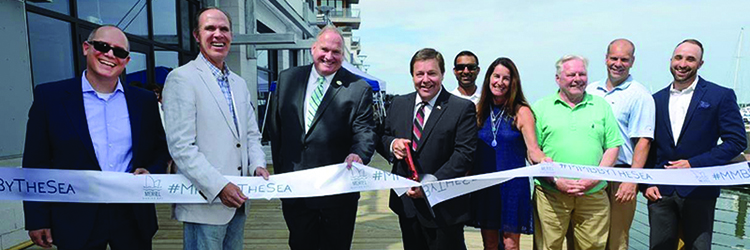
point(110, 145)
point(239, 145)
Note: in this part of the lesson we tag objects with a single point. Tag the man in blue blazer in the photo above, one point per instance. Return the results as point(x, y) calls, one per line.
point(692, 114)
point(94, 122)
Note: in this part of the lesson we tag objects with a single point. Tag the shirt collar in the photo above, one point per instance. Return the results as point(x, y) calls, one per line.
point(218, 73)
point(477, 92)
point(315, 75)
point(689, 89)
point(586, 99)
point(431, 102)
point(602, 85)
point(86, 85)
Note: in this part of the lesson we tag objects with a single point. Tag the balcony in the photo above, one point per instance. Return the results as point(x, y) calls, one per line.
point(345, 17)
point(355, 43)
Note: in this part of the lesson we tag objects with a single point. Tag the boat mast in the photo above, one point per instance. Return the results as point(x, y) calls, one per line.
point(737, 64)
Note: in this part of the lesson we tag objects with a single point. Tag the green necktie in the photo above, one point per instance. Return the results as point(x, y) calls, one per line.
point(315, 99)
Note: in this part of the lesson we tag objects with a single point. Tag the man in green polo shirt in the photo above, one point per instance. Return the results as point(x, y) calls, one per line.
point(578, 128)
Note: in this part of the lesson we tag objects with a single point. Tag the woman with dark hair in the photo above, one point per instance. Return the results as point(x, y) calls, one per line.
point(507, 138)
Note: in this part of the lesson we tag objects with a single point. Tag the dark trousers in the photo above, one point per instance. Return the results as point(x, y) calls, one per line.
point(322, 228)
point(671, 213)
point(416, 236)
point(116, 226)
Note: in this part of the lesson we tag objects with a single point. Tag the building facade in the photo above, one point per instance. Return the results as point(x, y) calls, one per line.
point(43, 45)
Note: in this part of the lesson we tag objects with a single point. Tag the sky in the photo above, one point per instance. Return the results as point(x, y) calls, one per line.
point(534, 34)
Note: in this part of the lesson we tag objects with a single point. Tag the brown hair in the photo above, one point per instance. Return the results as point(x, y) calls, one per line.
point(427, 54)
point(200, 12)
point(514, 98)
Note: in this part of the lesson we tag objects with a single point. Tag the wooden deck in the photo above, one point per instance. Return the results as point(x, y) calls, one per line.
point(376, 228)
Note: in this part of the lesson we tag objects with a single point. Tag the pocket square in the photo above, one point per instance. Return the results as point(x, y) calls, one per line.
point(703, 105)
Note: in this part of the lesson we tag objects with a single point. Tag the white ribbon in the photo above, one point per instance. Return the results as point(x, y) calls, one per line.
point(110, 187)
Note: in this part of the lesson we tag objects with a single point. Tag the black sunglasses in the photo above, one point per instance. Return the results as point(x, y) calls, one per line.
point(105, 47)
point(461, 67)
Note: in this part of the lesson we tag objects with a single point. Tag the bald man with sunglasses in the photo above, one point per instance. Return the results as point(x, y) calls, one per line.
point(94, 122)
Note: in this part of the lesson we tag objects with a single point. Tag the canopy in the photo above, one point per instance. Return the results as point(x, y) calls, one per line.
point(377, 84)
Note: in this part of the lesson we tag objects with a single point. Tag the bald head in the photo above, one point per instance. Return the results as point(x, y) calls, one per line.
point(109, 31)
point(620, 58)
point(622, 43)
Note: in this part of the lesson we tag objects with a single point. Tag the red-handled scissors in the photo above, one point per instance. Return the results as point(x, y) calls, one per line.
point(410, 162)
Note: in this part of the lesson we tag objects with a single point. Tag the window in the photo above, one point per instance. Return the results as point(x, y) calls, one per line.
point(136, 69)
point(165, 61)
point(164, 19)
point(164, 41)
point(51, 46)
point(62, 6)
point(129, 15)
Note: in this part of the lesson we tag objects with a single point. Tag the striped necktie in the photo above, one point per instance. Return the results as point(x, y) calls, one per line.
point(315, 99)
point(418, 125)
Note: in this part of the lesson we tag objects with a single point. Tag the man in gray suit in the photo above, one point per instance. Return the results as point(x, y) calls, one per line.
point(321, 114)
point(212, 132)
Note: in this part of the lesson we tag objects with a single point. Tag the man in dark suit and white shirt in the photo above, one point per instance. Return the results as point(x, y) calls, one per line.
point(321, 114)
point(440, 130)
point(692, 114)
point(94, 122)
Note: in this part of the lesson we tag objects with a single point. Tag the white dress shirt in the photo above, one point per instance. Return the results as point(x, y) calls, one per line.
point(311, 85)
point(679, 101)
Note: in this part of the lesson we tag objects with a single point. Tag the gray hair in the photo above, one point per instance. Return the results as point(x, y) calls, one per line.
point(332, 28)
point(566, 58)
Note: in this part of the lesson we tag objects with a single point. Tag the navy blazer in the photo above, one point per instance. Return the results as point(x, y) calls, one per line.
point(57, 137)
point(713, 113)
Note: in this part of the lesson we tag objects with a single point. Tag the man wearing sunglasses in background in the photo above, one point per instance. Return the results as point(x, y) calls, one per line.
point(466, 69)
point(94, 122)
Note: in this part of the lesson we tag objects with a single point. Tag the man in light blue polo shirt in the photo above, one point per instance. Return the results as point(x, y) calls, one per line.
point(634, 110)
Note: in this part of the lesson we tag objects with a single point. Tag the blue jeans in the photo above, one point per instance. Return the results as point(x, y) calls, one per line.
point(215, 237)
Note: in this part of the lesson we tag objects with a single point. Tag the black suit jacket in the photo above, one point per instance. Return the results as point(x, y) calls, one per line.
point(446, 151)
point(713, 113)
point(343, 124)
point(57, 137)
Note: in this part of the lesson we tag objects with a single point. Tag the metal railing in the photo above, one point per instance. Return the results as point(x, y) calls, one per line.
point(344, 13)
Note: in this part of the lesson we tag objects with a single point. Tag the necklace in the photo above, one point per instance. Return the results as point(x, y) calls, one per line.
point(495, 122)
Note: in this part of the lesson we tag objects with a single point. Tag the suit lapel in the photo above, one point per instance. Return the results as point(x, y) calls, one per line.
point(333, 90)
point(213, 87)
point(77, 114)
point(298, 93)
point(694, 101)
point(407, 126)
point(239, 111)
point(134, 111)
point(437, 111)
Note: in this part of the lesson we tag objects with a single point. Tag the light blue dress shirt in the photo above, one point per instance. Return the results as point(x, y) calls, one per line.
point(634, 110)
point(109, 126)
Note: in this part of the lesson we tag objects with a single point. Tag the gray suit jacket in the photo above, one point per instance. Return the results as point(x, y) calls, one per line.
point(203, 139)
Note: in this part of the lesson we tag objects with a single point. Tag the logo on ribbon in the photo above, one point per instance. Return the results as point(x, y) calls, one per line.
point(152, 188)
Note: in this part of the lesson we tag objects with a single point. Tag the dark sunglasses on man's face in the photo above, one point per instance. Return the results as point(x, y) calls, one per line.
point(105, 47)
point(461, 67)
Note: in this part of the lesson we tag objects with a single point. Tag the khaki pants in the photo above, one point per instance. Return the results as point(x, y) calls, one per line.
point(621, 218)
point(555, 212)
